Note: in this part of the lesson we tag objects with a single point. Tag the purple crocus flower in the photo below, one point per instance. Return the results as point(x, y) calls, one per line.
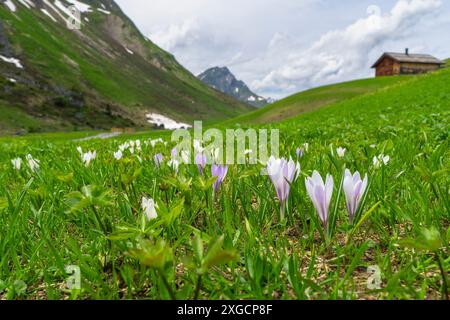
point(282, 173)
point(354, 189)
point(159, 158)
point(219, 171)
point(299, 152)
point(320, 194)
point(174, 153)
point(200, 161)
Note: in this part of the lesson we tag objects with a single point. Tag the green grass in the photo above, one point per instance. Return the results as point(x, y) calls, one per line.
point(49, 220)
point(315, 99)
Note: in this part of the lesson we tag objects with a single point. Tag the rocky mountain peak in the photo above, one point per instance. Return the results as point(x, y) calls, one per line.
point(222, 79)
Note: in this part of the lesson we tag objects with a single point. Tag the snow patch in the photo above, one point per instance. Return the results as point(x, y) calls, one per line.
point(13, 61)
point(103, 11)
point(10, 5)
point(48, 14)
point(128, 50)
point(237, 90)
point(168, 123)
point(252, 98)
point(12, 80)
point(27, 3)
point(101, 136)
point(82, 7)
point(64, 9)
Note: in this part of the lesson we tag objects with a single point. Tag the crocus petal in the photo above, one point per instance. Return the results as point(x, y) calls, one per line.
point(349, 195)
point(317, 179)
point(298, 170)
point(320, 202)
point(320, 194)
point(348, 174)
point(356, 177)
point(309, 187)
point(220, 172)
point(364, 184)
point(354, 189)
point(329, 185)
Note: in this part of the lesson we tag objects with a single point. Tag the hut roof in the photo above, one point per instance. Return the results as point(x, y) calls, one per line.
point(411, 58)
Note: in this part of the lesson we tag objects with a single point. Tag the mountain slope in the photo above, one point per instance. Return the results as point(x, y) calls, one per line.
point(315, 99)
point(105, 74)
point(223, 80)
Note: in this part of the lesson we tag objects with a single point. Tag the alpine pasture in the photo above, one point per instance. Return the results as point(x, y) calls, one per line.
point(133, 221)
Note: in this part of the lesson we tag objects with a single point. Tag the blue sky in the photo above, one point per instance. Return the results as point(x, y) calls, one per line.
point(279, 47)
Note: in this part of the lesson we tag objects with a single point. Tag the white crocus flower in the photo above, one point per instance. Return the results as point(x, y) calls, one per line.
point(80, 150)
point(174, 164)
point(88, 157)
point(341, 152)
point(123, 147)
point(386, 160)
point(17, 163)
point(381, 160)
point(149, 206)
point(131, 146)
point(118, 155)
point(156, 141)
point(33, 164)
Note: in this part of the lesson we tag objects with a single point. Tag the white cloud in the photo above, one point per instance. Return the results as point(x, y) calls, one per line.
point(178, 35)
point(280, 47)
point(342, 54)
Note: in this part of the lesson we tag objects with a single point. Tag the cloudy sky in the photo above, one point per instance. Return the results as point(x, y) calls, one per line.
point(279, 47)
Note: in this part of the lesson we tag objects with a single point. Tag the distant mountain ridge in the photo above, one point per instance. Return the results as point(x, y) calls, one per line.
point(223, 80)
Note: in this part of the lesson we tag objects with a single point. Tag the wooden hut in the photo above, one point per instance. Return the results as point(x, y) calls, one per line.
point(392, 64)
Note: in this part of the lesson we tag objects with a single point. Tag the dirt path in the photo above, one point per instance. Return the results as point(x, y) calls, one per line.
point(101, 136)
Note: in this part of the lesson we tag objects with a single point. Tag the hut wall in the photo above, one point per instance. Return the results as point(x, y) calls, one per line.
point(417, 68)
point(385, 68)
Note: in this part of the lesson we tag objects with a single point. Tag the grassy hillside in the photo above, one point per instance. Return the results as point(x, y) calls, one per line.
point(425, 95)
point(315, 99)
point(107, 74)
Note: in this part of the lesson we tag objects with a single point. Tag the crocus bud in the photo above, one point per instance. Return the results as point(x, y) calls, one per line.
point(354, 189)
point(320, 194)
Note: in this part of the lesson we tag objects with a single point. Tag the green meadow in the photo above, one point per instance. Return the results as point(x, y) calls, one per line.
point(64, 219)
